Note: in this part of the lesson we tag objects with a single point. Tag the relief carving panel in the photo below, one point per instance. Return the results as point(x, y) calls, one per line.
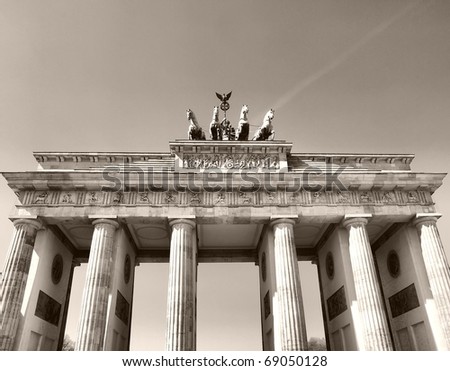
point(47, 309)
point(237, 198)
point(231, 161)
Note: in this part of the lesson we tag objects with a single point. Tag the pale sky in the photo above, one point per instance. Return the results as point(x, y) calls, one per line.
point(343, 76)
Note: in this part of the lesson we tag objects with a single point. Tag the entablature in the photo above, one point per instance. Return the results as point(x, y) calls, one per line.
point(200, 156)
point(350, 161)
point(101, 160)
point(138, 179)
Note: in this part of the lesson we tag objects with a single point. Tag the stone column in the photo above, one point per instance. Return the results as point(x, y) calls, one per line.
point(437, 268)
point(375, 331)
point(92, 325)
point(181, 314)
point(14, 279)
point(289, 328)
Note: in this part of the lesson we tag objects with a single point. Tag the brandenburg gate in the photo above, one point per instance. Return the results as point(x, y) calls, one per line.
point(366, 220)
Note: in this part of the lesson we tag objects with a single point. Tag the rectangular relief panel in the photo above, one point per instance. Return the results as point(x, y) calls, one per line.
point(336, 304)
point(404, 301)
point(48, 309)
point(122, 308)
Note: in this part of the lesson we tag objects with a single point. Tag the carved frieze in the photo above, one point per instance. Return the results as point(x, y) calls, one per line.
point(41, 198)
point(241, 161)
point(366, 197)
point(245, 198)
point(170, 197)
point(343, 197)
point(143, 198)
point(271, 197)
point(67, 198)
point(194, 199)
point(388, 197)
point(223, 198)
point(92, 197)
point(220, 199)
point(117, 198)
point(412, 197)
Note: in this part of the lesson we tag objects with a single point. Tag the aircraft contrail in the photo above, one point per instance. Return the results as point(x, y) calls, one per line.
point(286, 98)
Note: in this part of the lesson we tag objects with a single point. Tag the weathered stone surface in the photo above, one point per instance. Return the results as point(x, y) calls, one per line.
point(374, 327)
point(92, 325)
point(290, 327)
point(14, 279)
point(181, 302)
point(241, 186)
point(437, 267)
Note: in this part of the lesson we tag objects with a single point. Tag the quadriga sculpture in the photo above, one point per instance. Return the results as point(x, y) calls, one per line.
point(215, 130)
point(266, 132)
point(195, 132)
point(243, 126)
point(228, 131)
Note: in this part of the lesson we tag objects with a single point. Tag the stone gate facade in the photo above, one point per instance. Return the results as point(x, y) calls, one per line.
point(367, 220)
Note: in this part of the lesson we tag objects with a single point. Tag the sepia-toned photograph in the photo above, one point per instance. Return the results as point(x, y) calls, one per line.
point(240, 175)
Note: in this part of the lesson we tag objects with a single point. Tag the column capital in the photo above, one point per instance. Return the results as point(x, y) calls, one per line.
point(33, 222)
point(425, 218)
point(283, 219)
point(112, 222)
point(190, 222)
point(355, 219)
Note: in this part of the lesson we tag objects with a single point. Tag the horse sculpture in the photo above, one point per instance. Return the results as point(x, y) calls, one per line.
point(195, 132)
point(243, 126)
point(266, 132)
point(215, 131)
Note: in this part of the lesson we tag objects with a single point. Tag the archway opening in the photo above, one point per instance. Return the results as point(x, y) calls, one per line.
point(148, 323)
point(228, 310)
point(315, 329)
point(74, 311)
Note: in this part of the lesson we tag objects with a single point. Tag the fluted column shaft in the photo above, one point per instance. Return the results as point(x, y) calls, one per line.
point(14, 279)
point(181, 302)
point(437, 269)
point(92, 325)
point(290, 326)
point(375, 329)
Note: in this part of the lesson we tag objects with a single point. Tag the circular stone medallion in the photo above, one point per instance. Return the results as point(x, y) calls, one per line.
point(263, 267)
point(57, 268)
point(127, 269)
point(329, 265)
point(393, 264)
